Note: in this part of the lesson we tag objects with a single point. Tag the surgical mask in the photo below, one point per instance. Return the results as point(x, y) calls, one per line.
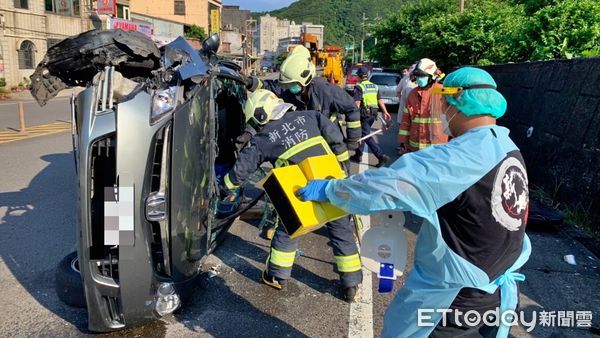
point(446, 122)
point(422, 81)
point(295, 89)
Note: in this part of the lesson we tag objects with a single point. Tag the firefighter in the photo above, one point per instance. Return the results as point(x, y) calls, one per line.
point(298, 85)
point(418, 130)
point(366, 97)
point(286, 136)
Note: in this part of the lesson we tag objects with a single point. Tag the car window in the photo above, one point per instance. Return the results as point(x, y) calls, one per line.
point(384, 80)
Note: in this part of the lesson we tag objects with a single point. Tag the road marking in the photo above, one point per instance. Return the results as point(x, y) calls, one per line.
point(35, 131)
point(361, 311)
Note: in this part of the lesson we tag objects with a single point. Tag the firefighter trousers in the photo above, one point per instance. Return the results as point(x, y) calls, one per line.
point(341, 234)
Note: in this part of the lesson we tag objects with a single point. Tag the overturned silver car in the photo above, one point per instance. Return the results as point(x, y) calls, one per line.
point(152, 130)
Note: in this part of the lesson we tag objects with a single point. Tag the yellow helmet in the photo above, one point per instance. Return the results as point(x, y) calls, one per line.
point(297, 68)
point(263, 106)
point(301, 50)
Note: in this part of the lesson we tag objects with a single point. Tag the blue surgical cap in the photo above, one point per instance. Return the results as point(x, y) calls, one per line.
point(476, 101)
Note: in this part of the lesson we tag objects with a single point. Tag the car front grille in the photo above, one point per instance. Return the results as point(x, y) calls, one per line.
point(159, 246)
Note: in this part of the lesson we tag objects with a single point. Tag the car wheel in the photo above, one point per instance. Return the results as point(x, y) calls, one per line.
point(68, 283)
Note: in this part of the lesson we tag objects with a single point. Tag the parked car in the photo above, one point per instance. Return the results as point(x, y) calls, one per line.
point(151, 132)
point(387, 83)
point(351, 77)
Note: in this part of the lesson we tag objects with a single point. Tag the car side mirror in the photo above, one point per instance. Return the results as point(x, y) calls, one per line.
point(211, 44)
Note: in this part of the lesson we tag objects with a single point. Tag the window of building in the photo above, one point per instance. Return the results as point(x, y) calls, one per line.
point(179, 7)
point(52, 42)
point(65, 7)
point(76, 7)
point(123, 12)
point(26, 55)
point(23, 4)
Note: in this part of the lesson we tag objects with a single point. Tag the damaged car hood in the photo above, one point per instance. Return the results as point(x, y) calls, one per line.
point(77, 60)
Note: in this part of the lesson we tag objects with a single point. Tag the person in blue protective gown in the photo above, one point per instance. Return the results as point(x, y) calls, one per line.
point(473, 196)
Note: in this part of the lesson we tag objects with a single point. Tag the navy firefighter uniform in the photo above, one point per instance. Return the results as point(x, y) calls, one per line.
point(285, 137)
point(298, 85)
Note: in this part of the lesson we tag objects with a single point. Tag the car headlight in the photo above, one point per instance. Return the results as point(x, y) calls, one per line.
point(163, 103)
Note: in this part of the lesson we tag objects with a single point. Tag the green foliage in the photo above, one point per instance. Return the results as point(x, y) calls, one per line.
point(570, 28)
point(195, 32)
point(2, 82)
point(489, 31)
point(279, 59)
point(340, 17)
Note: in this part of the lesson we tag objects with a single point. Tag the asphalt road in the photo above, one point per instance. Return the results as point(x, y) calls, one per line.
point(37, 215)
point(56, 110)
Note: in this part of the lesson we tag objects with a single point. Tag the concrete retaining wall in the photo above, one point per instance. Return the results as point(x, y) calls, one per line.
point(560, 99)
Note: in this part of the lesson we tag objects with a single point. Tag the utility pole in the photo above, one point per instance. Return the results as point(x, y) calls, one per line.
point(353, 45)
point(362, 37)
point(462, 6)
point(250, 28)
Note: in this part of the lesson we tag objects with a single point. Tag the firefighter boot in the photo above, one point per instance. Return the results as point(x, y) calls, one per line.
point(272, 281)
point(350, 294)
point(383, 160)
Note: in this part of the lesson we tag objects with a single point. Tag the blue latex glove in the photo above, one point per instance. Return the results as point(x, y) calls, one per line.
point(314, 191)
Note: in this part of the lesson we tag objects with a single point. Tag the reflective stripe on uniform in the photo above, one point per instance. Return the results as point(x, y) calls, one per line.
point(345, 156)
point(348, 263)
point(300, 147)
point(419, 145)
point(353, 124)
point(404, 132)
point(333, 117)
point(230, 185)
point(282, 258)
point(426, 120)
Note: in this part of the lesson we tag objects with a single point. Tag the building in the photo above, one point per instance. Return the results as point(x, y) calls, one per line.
point(164, 31)
point(203, 13)
point(29, 27)
point(232, 43)
point(235, 18)
point(285, 44)
point(316, 30)
point(271, 30)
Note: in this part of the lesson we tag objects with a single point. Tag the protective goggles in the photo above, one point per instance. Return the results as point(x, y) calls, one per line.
point(458, 90)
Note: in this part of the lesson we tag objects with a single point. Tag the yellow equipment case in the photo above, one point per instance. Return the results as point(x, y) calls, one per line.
point(300, 217)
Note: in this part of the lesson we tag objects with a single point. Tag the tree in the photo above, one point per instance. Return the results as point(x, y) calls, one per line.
point(489, 31)
point(195, 32)
point(570, 28)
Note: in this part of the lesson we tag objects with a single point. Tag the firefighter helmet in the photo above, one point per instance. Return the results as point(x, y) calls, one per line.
point(263, 106)
point(426, 67)
point(297, 68)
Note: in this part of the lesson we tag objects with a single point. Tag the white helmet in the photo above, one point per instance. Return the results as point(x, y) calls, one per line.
point(425, 67)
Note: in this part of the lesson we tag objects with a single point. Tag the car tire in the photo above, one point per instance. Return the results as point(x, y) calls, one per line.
point(68, 282)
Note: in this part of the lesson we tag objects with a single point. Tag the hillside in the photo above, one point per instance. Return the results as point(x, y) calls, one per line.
point(338, 16)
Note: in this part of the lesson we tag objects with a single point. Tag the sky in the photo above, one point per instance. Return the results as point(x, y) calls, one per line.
point(259, 5)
